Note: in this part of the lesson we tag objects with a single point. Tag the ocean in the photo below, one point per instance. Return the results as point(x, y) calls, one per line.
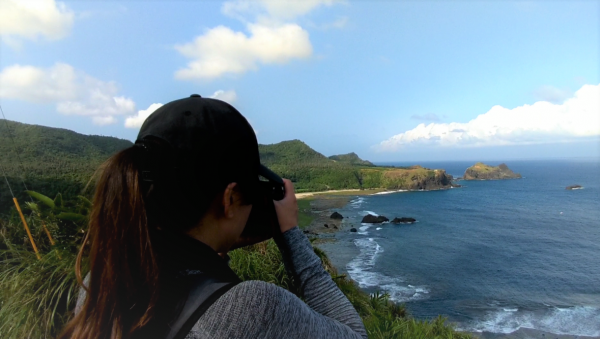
point(492, 256)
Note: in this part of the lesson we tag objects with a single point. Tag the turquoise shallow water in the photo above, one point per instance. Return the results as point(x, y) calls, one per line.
point(493, 256)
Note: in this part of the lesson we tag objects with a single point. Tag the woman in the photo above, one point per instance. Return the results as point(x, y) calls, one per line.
point(163, 211)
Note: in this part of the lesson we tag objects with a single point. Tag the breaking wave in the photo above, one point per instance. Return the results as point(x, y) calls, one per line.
point(577, 321)
point(361, 270)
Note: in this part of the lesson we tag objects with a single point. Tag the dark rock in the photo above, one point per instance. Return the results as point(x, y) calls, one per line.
point(574, 187)
point(334, 226)
point(371, 219)
point(336, 215)
point(353, 229)
point(327, 226)
point(403, 220)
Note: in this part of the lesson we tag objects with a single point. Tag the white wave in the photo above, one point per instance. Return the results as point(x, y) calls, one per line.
point(361, 270)
point(389, 192)
point(510, 309)
point(576, 321)
point(357, 202)
point(364, 213)
point(363, 229)
point(378, 228)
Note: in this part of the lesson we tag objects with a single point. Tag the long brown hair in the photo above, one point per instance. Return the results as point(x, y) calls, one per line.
point(124, 282)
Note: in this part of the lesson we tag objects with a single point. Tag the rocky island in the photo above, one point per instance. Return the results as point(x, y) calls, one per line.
point(574, 187)
point(481, 171)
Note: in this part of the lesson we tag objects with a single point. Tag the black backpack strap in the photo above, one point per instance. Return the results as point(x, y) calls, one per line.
point(203, 293)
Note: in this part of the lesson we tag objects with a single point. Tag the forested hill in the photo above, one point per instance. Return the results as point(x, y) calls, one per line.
point(54, 159)
point(290, 152)
point(352, 159)
point(61, 161)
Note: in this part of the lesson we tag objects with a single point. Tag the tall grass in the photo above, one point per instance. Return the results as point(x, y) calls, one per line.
point(37, 296)
point(304, 215)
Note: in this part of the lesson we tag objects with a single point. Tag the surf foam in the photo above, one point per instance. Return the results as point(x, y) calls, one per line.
point(576, 321)
point(357, 202)
point(361, 270)
point(389, 192)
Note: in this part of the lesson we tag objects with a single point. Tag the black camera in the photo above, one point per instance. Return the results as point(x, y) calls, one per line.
point(263, 217)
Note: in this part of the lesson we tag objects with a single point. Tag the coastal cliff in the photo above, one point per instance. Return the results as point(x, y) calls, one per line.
point(410, 178)
point(481, 171)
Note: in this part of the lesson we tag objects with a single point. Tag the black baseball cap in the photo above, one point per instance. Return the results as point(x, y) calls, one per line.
point(207, 138)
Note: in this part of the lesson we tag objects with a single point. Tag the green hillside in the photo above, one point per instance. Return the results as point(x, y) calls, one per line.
point(61, 161)
point(307, 168)
point(54, 159)
point(352, 159)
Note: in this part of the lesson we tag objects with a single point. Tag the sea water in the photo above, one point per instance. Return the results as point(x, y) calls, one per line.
point(492, 256)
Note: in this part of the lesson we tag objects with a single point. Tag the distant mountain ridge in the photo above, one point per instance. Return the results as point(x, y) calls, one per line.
point(351, 158)
point(62, 161)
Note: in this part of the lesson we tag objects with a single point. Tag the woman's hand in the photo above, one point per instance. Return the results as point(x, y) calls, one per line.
point(287, 208)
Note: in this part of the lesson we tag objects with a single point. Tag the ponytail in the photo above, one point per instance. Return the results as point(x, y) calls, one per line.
point(123, 285)
point(124, 281)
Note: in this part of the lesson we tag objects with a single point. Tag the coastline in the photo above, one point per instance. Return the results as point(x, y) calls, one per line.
point(346, 192)
point(323, 204)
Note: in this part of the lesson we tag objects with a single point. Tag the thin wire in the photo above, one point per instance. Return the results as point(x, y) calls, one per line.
point(5, 178)
point(17, 153)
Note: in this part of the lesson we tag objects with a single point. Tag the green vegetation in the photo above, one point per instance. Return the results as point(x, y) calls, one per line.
point(304, 215)
point(37, 296)
point(53, 160)
point(312, 171)
point(482, 167)
point(481, 171)
point(352, 159)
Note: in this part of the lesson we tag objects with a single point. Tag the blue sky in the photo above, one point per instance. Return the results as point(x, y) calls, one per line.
point(392, 81)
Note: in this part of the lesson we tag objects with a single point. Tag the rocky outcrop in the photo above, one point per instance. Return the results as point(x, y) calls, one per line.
point(353, 229)
point(574, 187)
point(481, 171)
point(403, 220)
point(412, 178)
point(371, 219)
point(337, 216)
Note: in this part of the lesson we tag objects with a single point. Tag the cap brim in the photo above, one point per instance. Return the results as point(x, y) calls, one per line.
point(266, 173)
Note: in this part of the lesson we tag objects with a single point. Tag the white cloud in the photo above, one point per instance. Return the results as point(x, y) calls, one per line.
point(73, 92)
point(221, 50)
point(32, 18)
point(227, 96)
point(542, 122)
point(271, 37)
point(136, 121)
